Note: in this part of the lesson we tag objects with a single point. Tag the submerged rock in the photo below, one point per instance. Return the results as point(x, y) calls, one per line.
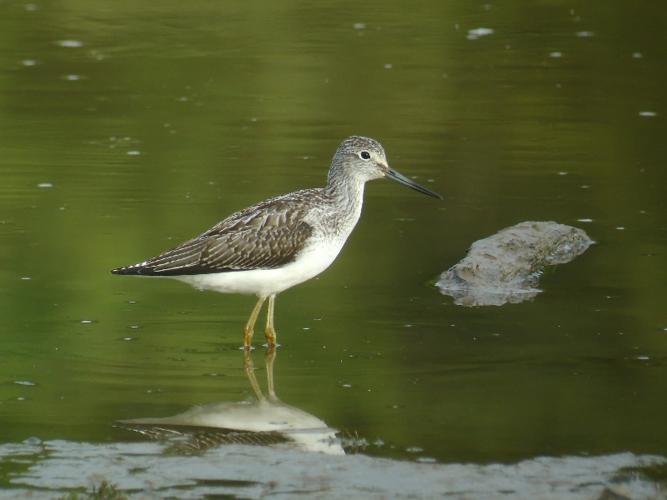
point(505, 267)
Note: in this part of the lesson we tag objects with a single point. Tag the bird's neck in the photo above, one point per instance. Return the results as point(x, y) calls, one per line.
point(344, 190)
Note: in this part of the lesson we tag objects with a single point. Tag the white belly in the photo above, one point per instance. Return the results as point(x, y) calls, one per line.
point(314, 259)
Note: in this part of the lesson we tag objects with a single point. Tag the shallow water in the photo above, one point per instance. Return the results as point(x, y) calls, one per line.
point(127, 129)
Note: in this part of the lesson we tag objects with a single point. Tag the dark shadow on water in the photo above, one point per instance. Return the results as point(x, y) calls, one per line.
point(265, 421)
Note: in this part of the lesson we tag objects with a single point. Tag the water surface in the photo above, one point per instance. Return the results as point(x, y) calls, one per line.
point(127, 128)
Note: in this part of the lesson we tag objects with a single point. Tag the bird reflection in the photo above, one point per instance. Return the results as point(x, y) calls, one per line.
point(266, 421)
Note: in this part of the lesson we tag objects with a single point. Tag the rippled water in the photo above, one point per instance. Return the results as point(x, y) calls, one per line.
point(127, 128)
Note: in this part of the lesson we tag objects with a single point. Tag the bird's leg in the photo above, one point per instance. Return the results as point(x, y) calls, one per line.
point(270, 357)
point(270, 331)
point(249, 368)
point(250, 325)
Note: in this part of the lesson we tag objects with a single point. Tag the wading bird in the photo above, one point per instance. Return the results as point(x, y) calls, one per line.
point(280, 242)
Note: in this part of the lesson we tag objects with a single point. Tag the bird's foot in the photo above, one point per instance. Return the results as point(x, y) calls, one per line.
point(270, 335)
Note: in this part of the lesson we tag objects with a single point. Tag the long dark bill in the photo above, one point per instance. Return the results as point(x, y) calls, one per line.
point(398, 177)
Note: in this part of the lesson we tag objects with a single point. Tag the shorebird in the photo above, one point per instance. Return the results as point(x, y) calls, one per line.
point(280, 242)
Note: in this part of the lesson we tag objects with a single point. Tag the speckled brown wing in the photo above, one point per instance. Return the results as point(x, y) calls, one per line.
point(265, 236)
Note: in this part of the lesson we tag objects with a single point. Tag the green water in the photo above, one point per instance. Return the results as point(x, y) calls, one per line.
point(127, 127)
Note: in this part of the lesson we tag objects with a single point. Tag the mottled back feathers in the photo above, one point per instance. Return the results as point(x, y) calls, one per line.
point(265, 236)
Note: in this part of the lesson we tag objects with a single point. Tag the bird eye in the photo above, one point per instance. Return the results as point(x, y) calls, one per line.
point(365, 155)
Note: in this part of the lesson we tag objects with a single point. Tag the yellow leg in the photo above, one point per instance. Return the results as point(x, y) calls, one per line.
point(270, 331)
point(250, 325)
point(249, 368)
point(270, 357)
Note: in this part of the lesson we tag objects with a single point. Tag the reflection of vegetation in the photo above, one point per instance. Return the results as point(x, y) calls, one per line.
point(655, 472)
point(104, 491)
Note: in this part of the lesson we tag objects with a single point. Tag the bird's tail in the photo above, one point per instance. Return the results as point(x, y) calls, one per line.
point(134, 270)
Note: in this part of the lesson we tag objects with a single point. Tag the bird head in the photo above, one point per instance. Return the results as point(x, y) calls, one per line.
point(364, 159)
